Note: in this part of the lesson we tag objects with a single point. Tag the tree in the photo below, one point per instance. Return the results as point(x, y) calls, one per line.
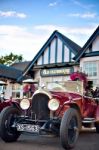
point(11, 58)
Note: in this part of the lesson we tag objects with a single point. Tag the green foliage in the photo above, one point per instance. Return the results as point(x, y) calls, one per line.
point(11, 58)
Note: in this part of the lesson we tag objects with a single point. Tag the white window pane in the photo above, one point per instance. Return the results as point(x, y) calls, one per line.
point(90, 68)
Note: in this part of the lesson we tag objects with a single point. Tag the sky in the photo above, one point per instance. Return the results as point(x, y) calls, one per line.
point(25, 25)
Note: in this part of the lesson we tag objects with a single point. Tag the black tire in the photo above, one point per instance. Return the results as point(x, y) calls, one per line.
point(69, 128)
point(7, 133)
point(97, 127)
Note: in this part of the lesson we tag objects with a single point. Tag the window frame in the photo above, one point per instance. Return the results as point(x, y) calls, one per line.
point(16, 89)
point(91, 68)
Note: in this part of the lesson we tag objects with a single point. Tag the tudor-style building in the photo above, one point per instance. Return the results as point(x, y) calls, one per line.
point(89, 58)
point(58, 57)
point(54, 61)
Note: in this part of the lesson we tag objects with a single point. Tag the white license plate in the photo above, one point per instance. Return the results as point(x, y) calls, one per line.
point(28, 128)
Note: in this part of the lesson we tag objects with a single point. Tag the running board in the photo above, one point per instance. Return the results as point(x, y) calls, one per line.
point(88, 120)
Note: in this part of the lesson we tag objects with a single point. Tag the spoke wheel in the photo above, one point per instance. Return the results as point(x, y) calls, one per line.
point(69, 129)
point(7, 120)
point(73, 130)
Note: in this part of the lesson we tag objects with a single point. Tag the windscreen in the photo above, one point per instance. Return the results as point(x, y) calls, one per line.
point(67, 86)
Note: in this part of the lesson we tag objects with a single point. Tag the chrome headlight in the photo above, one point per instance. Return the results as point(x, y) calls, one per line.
point(53, 104)
point(25, 104)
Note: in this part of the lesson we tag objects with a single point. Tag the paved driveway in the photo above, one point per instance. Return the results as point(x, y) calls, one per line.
point(88, 140)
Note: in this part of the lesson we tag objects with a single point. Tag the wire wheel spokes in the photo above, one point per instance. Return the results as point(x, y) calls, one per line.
point(72, 129)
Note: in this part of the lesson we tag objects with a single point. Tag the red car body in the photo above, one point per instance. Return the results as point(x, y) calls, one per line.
point(87, 105)
point(59, 108)
point(4, 104)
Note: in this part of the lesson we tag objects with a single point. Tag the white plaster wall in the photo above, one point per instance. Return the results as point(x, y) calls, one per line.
point(77, 68)
point(82, 60)
point(37, 76)
point(39, 62)
point(95, 44)
point(66, 54)
point(52, 51)
point(59, 51)
point(46, 56)
point(44, 80)
point(66, 78)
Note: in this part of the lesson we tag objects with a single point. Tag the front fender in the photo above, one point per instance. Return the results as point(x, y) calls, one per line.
point(4, 104)
point(60, 112)
point(68, 105)
point(15, 104)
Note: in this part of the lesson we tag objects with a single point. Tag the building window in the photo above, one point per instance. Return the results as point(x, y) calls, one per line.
point(90, 68)
point(16, 91)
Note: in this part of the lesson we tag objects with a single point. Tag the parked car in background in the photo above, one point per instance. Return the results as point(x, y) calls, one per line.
point(59, 108)
point(3, 102)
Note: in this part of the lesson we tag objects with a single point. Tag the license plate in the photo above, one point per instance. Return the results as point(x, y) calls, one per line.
point(28, 128)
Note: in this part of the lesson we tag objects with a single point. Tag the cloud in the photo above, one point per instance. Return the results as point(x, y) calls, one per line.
point(12, 14)
point(78, 34)
point(51, 28)
point(53, 4)
point(85, 15)
point(80, 4)
point(25, 41)
point(21, 40)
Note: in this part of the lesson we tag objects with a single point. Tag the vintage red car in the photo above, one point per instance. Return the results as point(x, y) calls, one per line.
point(59, 108)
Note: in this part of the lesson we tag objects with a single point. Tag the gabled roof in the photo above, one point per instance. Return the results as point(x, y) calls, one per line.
point(72, 45)
point(20, 65)
point(87, 44)
point(9, 72)
point(69, 42)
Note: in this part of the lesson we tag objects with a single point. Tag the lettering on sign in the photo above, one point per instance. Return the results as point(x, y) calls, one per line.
point(55, 72)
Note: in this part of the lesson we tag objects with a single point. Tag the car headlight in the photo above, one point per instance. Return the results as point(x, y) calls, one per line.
point(53, 104)
point(25, 104)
